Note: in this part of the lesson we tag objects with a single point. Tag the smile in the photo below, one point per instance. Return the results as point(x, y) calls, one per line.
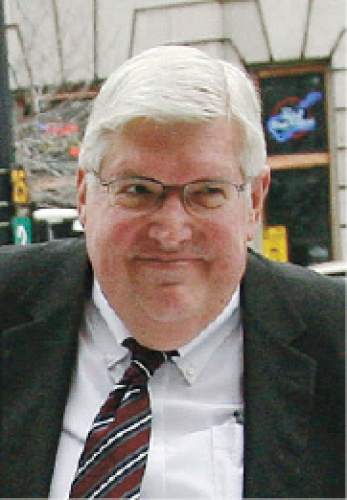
point(169, 257)
point(167, 262)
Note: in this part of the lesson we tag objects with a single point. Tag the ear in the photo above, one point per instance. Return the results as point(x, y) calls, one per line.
point(81, 194)
point(260, 187)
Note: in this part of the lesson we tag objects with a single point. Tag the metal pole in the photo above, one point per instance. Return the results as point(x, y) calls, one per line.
point(6, 141)
point(95, 40)
point(58, 41)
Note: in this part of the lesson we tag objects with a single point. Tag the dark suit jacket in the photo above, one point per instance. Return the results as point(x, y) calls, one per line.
point(294, 377)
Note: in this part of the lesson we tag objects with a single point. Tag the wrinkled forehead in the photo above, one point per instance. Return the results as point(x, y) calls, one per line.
point(144, 145)
point(158, 133)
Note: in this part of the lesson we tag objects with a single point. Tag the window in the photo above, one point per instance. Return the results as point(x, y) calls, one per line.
point(295, 124)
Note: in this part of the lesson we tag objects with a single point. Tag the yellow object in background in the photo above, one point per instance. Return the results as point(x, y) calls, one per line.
point(20, 190)
point(275, 243)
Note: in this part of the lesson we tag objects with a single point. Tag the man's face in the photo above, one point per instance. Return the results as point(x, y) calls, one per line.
point(170, 267)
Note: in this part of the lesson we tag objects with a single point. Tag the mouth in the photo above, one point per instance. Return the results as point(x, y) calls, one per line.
point(168, 259)
point(177, 266)
point(167, 270)
point(167, 264)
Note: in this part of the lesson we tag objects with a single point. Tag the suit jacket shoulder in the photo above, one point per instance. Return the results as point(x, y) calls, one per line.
point(42, 294)
point(291, 291)
point(294, 382)
point(38, 276)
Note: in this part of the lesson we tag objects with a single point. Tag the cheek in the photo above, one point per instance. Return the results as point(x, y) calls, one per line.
point(228, 243)
point(228, 233)
point(110, 236)
point(110, 241)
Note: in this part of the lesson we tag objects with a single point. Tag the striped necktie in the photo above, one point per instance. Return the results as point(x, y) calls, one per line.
point(114, 458)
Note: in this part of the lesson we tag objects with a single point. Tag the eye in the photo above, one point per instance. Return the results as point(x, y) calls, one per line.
point(137, 189)
point(213, 191)
point(141, 194)
point(208, 195)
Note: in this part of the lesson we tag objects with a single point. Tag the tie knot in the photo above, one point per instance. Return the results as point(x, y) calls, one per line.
point(146, 360)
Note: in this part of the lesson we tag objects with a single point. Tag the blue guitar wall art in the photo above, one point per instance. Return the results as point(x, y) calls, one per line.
point(292, 118)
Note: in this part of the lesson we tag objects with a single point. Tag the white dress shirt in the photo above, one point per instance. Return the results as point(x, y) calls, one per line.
point(196, 446)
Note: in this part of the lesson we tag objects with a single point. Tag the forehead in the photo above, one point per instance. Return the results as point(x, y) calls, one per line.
point(145, 147)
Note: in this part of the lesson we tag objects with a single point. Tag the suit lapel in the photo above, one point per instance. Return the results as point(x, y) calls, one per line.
point(39, 356)
point(279, 385)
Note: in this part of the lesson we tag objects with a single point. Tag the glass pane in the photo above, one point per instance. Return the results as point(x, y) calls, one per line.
point(299, 200)
point(294, 114)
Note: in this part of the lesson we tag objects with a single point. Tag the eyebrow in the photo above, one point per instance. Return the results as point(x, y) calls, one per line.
point(126, 170)
point(168, 185)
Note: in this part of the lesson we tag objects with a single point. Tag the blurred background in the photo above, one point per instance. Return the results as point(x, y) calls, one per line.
point(55, 54)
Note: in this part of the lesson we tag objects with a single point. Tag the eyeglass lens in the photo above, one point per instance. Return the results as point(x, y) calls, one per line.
point(146, 194)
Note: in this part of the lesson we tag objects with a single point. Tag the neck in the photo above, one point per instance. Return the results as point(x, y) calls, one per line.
point(164, 336)
point(167, 335)
point(165, 324)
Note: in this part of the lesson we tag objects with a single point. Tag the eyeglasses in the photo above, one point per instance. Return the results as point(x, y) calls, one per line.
point(144, 194)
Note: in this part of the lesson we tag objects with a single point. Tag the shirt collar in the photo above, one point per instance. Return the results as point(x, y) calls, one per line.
point(194, 355)
point(115, 332)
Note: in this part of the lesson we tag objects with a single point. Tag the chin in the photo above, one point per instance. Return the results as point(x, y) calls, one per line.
point(168, 309)
point(169, 316)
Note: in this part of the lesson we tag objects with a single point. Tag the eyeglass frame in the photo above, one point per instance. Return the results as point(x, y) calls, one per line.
point(181, 188)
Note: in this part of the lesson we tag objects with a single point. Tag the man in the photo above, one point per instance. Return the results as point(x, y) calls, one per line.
point(249, 402)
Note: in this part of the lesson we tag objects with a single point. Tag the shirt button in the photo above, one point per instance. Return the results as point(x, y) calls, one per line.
point(110, 361)
point(190, 372)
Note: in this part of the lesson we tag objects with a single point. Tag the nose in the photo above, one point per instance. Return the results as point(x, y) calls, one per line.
point(171, 224)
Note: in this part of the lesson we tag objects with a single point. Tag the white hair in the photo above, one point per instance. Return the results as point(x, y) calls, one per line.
point(170, 84)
